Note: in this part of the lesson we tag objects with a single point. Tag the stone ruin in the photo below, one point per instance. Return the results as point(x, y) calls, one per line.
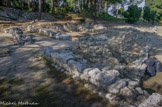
point(18, 37)
point(112, 67)
point(49, 33)
point(81, 27)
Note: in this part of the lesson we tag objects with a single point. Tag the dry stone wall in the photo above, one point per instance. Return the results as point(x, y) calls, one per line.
point(73, 27)
point(18, 37)
point(16, 14)
point(85, 62)
point(49, 33)
point(81, 71)
point(110, 66)
point(115, 53)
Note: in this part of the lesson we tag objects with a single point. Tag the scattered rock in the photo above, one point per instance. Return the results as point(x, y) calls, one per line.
point(139, 90)
point(158, 66)
point(153, 66)
point(113, 72)
point(102, 94)
point(126, 92)
point(126, 105)
point(155, 100)
point(133, 84)
point(115, 88)
point(113, 99)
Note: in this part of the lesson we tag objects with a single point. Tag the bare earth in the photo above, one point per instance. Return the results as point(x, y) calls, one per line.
point(26, 77)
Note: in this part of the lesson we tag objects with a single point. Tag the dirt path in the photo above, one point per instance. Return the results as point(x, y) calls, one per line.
point(25, 77)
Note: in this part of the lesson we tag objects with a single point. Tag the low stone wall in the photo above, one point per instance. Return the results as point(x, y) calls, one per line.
point(106, 82)
point(17, 14)
point(49, 33)
point(18, 37)
point(115, 53)
point(73, 27)
point(108, 65)
point(96, 50)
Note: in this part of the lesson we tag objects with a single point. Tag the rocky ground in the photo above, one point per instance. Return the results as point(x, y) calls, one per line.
point(26, 76)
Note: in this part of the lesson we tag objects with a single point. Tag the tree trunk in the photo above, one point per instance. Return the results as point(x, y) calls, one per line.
point(84, 3)
point(95, 8)
point(40, 9)
point(106, 7)
point(153, 21)
point(14, 4)
point(117, 10)
point(43, 5)
point(8, 3)
point(99, 7)
point(29, 4)
point(53, 7)
point(91, 7)
point(22, 3)
point(79, 5)
point(33, 5)
point(88, 3)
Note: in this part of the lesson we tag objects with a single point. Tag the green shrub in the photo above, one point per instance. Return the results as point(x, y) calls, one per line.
point(82, 20)
point(155, 5)
point(47, 8)
point(149, 15)
point(146, 14)
point(132, 14)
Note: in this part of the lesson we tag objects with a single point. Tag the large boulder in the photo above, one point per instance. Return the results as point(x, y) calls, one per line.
point(155, 100)
point(158, 66)
point(153, 66)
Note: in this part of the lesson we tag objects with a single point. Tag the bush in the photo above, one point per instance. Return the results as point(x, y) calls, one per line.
point(82, 20)
point(146, 14)
point(155, 5)
point(149, 15)
point(132, 14)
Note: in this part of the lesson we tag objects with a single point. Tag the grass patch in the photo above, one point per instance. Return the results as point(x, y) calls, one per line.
point(15, 81)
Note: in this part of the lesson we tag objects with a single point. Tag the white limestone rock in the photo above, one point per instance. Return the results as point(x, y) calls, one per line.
point(126, 92)
point(155, 100)
point(75, 66)
point(113, 72)
point(112, 98)
point(139, 90)
point(115, 88)
point(133, 84)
